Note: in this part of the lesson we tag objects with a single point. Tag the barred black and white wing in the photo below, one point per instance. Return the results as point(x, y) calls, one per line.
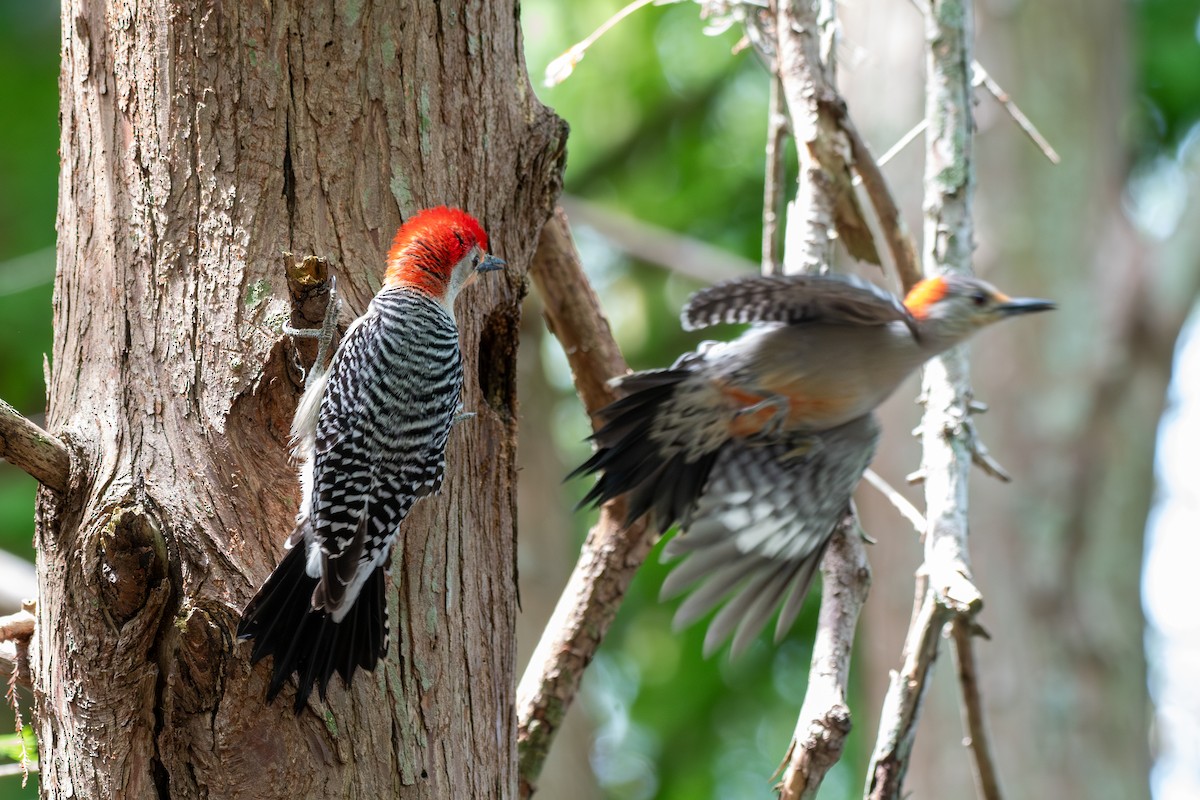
point(756, 535)
point(794, 299)
point(654, 445)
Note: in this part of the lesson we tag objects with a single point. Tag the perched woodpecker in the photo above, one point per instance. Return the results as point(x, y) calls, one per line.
point(754, 446)
point(371, 435)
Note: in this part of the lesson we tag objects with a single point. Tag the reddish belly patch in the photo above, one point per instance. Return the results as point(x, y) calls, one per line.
point(805, 410)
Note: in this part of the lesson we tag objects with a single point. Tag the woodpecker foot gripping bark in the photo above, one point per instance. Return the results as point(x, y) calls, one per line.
point(754, 446)
point(371, 433)
point(324, 335)
point(770, 429)
point(462, 416)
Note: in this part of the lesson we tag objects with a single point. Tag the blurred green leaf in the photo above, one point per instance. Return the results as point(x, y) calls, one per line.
point(14, 746)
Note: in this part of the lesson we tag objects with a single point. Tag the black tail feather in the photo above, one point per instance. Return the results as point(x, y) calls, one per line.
point(629, 459)
point(307, 642)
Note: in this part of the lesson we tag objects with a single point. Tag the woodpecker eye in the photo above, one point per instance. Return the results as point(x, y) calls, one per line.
point(475, 261)
point(980, 298)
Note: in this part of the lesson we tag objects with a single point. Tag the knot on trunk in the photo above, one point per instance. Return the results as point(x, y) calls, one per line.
point(133, 561)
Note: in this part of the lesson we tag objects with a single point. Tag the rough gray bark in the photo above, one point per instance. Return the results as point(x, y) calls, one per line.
point(198, 141)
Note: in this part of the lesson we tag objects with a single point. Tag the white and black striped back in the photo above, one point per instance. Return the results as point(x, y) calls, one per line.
point(381, 434)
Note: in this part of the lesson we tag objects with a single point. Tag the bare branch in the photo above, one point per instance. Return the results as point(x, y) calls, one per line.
point(986, 779)
point(825, 199)
point(826, 205)
point(832, 143)
point(825, 717)
point(772, 258)
point(982, 457)
point(997, 91)
point(981, 77)
point(27, 446)
point(946, 430)
point(612, 552)
point(561, 68)
point(906, 691)
point(949, 242)
point(901, 143)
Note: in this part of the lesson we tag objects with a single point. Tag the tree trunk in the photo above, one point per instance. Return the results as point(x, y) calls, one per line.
point(198, 141)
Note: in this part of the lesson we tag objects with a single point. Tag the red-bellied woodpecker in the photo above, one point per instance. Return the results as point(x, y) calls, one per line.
point(755, 445)
point(371, 432)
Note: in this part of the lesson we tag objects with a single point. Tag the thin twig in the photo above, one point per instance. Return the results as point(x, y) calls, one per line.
point(612, 552)
point(981, 77)
point(772, 257)
point(986, 778)
point(903, 142)
point(561, 68)
point(824, 719)
point(982, 457)
point(25, 445)
point(899, 501)
point(997, 91)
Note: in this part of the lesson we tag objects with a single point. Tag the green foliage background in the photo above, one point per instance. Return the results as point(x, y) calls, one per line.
point(667, 126)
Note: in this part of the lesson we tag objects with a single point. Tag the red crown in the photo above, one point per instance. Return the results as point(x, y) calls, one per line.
point(429, 244)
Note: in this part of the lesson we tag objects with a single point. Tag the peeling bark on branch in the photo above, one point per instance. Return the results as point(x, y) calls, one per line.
point(826, 206)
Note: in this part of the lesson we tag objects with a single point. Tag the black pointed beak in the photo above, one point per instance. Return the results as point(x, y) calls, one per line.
point(490, 263)
point(1025, 305)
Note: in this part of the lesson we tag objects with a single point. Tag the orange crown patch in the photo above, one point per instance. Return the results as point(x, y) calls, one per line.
point(924, 295)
